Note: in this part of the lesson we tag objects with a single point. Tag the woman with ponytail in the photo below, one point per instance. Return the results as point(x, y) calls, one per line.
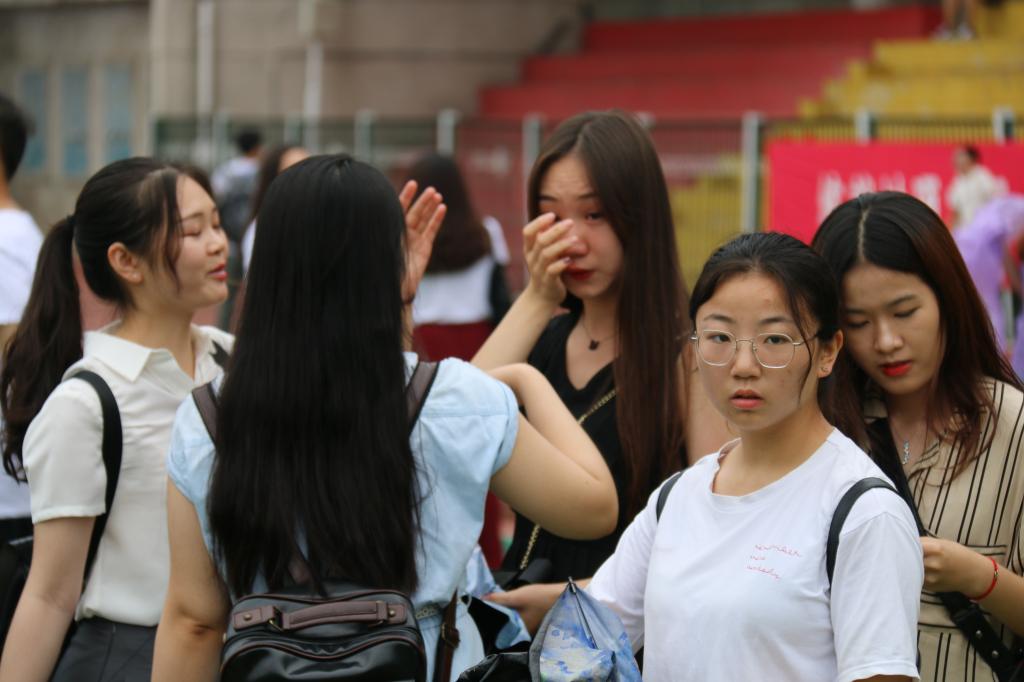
point(149, 240)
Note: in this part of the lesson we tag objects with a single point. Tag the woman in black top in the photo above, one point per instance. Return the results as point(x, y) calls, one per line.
point(601, 243)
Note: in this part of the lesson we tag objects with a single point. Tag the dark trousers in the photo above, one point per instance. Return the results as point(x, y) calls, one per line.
point(104, 651)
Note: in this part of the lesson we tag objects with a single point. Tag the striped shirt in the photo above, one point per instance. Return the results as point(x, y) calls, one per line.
point(982, 509)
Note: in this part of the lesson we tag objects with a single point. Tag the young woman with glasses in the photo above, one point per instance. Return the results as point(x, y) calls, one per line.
point(730, 582)
point(601, 243)
point(925, 387)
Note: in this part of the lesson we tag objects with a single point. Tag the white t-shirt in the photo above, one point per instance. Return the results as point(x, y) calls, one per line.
point(20, 240)
point(461, 297)
point(734, 588)
point(64, 463)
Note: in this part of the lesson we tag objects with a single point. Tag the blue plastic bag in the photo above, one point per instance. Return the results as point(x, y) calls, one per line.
point(581, 639)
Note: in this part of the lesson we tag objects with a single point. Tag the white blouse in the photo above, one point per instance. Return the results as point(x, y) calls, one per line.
point(64, 464)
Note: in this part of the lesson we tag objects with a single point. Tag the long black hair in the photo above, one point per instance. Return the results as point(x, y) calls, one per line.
point(898, 232)
point(812, 294)
point(134, 202)
point(462, 239)
point(312, 428)
point(625, 173)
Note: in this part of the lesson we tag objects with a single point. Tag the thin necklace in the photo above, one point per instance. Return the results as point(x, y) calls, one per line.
point(594, 343)
point(906, 443)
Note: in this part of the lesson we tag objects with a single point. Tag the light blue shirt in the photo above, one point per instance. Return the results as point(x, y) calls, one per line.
point(464, 435)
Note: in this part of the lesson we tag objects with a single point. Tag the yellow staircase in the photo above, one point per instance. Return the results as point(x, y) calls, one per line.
point(930, 78)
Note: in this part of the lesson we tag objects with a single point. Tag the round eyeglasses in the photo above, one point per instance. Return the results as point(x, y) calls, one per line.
point(773, 350)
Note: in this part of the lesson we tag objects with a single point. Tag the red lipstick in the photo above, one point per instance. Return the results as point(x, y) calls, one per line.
point(746, 400)
point(896, 369)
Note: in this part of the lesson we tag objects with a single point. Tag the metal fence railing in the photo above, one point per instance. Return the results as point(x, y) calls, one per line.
point(715, 170)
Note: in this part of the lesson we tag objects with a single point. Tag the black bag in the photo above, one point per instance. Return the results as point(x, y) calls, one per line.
point(350, 632)
point(16, 555)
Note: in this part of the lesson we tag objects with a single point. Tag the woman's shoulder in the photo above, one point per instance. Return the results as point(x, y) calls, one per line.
point(216, 335)
point(551, 342)
point(462, 389)
point(190, 456)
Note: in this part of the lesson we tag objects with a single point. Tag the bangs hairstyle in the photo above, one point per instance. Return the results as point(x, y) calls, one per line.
point(898, 232)
point(625, 173)
point(312, 436)
point(134, 202)
point(812, 295)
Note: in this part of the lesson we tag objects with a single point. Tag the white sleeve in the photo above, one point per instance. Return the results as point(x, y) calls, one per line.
point(499, 247)
point(621, 581)
point(63, 455)
point(876, 590)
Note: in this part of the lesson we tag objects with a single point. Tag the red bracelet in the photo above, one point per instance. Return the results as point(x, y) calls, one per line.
point(992, 586)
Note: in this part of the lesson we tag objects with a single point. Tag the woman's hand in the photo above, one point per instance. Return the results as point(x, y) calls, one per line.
point(531, 601)
point(544, 245)
point(422, 221)
point(951, 567)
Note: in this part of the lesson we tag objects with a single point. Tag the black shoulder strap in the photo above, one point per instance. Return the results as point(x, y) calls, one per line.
point(966, 615)
point(220, 356)
point(419, 386)
point(839, 517)
point(666, 488)
point(112, 447)
point(415, 395)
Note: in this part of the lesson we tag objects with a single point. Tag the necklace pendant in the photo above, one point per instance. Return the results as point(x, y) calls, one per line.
point(593, 344)
point(906, 451)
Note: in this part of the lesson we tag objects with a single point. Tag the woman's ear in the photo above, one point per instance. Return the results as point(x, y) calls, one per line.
point(828, 351)
point(125, 264)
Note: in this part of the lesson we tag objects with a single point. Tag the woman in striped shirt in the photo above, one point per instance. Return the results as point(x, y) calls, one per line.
point(924, 384)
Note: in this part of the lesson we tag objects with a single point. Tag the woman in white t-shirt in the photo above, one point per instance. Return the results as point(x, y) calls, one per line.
point(148, 237)
point(730, 583)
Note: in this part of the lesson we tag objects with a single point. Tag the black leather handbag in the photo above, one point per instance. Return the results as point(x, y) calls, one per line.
point(352, 634)
point(349, 632)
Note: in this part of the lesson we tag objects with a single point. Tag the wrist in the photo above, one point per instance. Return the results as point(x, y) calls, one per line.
point(986, 580)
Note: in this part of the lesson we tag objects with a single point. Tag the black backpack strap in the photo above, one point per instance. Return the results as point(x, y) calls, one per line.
point(112, 449)
point(966, 615)
point(206, 402)
point(220, 356)
point(419, 386)
point(842, 511)
point(666, 488)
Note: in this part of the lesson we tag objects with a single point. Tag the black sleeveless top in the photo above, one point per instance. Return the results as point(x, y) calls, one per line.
point(574, 558)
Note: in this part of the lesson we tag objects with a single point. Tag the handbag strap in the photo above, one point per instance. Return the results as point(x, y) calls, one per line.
point(663, 494)
point(966, 615)
point(447, 641)
point(112, 451)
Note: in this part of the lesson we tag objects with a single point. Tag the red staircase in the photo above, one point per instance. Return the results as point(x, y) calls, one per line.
point(703, 67)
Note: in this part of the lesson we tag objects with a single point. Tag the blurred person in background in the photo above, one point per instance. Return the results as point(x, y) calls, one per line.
point(463, 293)
point(271, 165)
point(958, 20)
point(972, 187)
point(601, 244)
point(20, 240)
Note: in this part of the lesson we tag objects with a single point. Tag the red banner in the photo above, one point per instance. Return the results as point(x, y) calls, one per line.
point(807, 179)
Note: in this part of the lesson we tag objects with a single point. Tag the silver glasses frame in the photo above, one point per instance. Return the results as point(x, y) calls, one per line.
point(695, 339)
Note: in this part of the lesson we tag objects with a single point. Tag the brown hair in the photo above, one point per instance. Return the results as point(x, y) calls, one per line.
point(625, 173)
point(898, 232)
point(462, 239)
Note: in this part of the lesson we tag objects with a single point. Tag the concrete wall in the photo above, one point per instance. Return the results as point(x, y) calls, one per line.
point(398, 57)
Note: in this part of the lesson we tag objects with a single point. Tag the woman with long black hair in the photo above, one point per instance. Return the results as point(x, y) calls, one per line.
point(601, 242)
point(313, 415)
point(149, 240)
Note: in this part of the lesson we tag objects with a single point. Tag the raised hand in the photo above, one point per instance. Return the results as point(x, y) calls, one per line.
point(422, 221)
point(544, 245)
